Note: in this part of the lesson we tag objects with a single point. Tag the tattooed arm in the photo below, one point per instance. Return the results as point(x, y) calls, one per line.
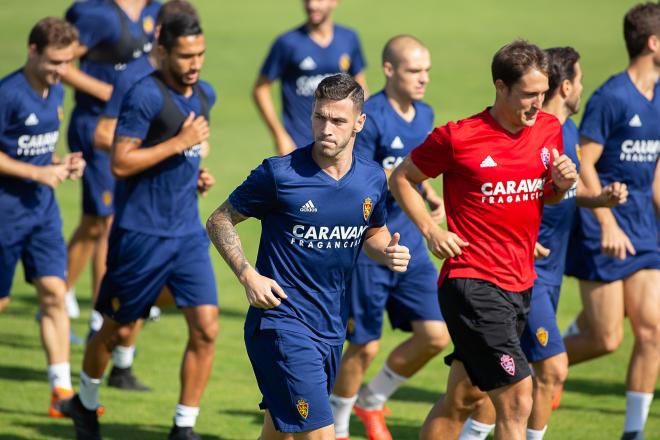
point(261, 292)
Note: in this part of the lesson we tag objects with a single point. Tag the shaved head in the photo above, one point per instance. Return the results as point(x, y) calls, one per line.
point(397, 46)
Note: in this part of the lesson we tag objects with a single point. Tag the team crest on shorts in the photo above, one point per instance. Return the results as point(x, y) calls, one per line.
point(344, 62)
point(508, 364)
point(60, 113)
point(303, 408)
point(545, 157)
point(350, 325)
point(115, 304)
point(542, 336)
point(366, 208)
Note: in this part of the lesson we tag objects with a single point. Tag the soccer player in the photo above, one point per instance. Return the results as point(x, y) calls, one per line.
point(397, 121)
point(31, 100)
point(318, 207)
point(499, 167)
point(121, 375)
point(113, 35)
point(300, 59)
point(616, 257)
point(157, 237)
point(541, 340)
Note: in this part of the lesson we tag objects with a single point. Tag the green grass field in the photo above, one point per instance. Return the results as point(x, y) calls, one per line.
point(462, 37)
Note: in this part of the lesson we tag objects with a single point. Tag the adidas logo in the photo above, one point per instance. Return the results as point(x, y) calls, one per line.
point(31, 120)
point(488, 162)
point(308, 207)
point(635, 121)
point(307, 64)
point(396, 144)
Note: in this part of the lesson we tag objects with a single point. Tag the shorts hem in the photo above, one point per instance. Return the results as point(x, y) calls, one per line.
point(311, 427)
point(544, 356)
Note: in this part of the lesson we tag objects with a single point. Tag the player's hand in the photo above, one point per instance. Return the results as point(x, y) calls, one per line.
point(52, 175)
point(397, 256)
point(75, 165)
point(437, 207)
point(261, 292)
point(615, 242)
point(445, 244)
point(563, 171)
point(204, 181)
point(614, 194)
point(194, 130)
point(205, 149)
point(540, 251)
point(284, 144)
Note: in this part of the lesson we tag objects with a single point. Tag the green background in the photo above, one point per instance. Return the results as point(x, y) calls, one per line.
point(462, 36)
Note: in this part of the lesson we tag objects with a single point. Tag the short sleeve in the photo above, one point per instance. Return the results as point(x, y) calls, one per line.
point(435, 155)
point(139, 107)
point(5, 111)
point(598, 119)
point(210, 92)
point(366, 141)
point(113, 106)
point(379, 216)
point(358, 62)
point(257, 195)
point(276, 61)
point(94, 25)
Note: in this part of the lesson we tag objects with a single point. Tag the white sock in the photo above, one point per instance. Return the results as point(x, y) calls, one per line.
point(381, 387)
point(341, 412)
point(572, 329)
point(185, 416)
point(95, 320)
point(71, 303)
point(533, 434)
point(122, 357)
point(475, 430)
point(59, 375)
point(89, 391)
point(637, 410)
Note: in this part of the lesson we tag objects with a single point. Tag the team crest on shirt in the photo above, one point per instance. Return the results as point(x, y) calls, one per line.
point(508, 364)
point(542, 336)
point(303, 408)
point(107, 198)
point(344, 62)
point(115, 304)
point(148, 25)
point(366, 208)
point(545, 157)
point(60, 113)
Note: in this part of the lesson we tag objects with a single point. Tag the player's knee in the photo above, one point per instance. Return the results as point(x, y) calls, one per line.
point(648, 335)
point(206, 332)
point(466, 403)
point(552, 374)
point(515, 406)
point(4, 302)
point(438, 341)
point(52, 298)
point(609, 342)
point(93, 227)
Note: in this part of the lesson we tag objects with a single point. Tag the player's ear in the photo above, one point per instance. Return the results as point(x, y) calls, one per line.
point(359, 124)
point(653, 43)
point(388, 69)
point(32, 50)
point(565, 88)
point(500, 87)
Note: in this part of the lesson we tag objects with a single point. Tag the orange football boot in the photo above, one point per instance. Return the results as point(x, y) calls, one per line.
point(374, 423)
point(57, 396)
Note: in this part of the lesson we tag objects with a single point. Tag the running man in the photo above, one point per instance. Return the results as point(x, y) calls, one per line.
point(615, 257)
point(30, 223)
point(318, 207)
point(113, 35)
point(541, 340)
point(300, 59)
point(498, 168)
point(157, 238)
point(397, 121)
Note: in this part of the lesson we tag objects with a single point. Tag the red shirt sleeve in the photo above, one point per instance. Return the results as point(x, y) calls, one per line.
point(435, 155)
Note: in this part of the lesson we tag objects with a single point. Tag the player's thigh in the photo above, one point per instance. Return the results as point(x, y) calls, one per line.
point(603, 305)
point(542, 338)
point(192, 281)
point(202, 322)
point(44, 256)
point(367, 293)
point(642, 302)
point(12, 242)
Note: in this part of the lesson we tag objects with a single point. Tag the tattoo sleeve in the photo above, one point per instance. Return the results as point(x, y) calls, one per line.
point(221, 231)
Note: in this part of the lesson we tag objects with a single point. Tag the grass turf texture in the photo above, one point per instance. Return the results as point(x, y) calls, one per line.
point(462, 37)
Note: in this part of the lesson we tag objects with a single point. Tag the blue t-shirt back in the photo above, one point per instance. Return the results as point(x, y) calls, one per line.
point(621, 119)
point(387, 138)
point(29, 129)
point(123, 82)
point(557, 221)
point(301, 64)
point(313, 228)
point(161, 200)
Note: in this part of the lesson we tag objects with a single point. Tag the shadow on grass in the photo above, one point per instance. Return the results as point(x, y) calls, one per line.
point(414, 394)
point(595, 387)
point(13, 372)
point(257, 416)
point(21, 342)
point(400, 429)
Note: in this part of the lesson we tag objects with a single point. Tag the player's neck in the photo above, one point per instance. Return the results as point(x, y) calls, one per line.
point(184, 90)
point(501, 117)
point(557, 107)
point(401, 104)
point(337, 166)
point(132, 8)
point(644, 74)
point(39, 86)
point(321, 33)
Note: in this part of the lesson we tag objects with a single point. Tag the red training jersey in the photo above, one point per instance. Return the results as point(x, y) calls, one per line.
point(493, 184)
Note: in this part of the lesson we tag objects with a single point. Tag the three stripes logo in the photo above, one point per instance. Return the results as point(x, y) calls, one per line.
point(308, 207)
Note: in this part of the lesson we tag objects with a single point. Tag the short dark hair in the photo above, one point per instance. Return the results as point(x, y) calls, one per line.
point(176, 26)
point(175, 7)
point(561, 67)
point(338, 87)
point(512, 61)
point(52, 31)
point(639, 24)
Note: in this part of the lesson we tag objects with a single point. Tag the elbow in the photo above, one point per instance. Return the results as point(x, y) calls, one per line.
point(119, 171)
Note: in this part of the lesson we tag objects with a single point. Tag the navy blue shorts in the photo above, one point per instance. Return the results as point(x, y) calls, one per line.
point(98, 182)
point(39, 244)
point(295, 374)
point(140, 265)
point(407, 297)
point(541, 338)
